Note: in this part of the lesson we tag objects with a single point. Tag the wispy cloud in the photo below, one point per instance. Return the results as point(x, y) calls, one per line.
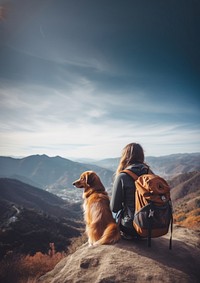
point(38, 118)
point(80, 81)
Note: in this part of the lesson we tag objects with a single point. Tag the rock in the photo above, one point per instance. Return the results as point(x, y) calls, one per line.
point(129, 261)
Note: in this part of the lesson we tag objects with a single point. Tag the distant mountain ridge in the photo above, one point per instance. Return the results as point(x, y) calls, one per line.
point(166, 166)
point(174, 164)
point(56, 174)
point(49, 172)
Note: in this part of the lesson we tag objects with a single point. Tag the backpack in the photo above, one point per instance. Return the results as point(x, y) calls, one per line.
point(153, 207)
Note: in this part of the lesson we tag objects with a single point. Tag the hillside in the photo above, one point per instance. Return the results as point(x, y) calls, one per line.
point(31, 218)
point(184, 184)
point(185, 196)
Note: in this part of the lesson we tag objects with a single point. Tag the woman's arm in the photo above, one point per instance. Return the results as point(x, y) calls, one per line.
point(117, 195)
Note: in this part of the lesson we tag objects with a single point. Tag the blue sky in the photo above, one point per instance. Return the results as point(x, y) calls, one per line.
point(83, 78)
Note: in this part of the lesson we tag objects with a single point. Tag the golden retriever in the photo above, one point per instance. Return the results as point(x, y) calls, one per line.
point(101, 227)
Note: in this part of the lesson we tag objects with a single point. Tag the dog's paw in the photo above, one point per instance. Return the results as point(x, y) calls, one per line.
point(90, 243)
point(96, 244)
point(91, 246)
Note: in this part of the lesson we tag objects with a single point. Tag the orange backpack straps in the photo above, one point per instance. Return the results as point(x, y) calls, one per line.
point(140, 200)
point(129, 172)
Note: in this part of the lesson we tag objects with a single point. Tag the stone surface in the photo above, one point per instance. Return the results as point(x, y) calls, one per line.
point(129, 261)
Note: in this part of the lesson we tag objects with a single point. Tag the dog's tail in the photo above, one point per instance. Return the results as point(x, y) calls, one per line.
point(111, 235)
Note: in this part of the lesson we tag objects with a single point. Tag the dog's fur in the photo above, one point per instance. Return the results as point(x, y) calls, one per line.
point(101, 227)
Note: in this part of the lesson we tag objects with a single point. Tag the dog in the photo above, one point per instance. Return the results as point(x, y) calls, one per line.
point(101, 227)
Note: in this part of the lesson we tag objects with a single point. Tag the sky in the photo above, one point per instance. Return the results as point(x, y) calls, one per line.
point(83, 78)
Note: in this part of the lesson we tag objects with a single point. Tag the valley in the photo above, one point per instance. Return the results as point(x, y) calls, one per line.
point(39, 205)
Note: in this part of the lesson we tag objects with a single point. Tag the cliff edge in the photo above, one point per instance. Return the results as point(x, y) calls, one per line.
point(129, 261)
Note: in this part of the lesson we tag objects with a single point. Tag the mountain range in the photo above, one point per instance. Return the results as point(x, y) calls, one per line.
point(57, 173)
point(167, 166)
point(49, 173)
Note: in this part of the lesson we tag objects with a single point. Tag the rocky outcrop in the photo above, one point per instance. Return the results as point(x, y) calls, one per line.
point(129, 261)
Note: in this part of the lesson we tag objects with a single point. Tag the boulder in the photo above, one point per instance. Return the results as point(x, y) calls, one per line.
point(133, 261)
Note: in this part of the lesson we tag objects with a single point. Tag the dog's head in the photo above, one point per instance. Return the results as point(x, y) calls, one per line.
point(89, 179)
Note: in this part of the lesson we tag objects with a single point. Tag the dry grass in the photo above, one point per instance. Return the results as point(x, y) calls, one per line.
point(189, 219)
point(26, 269)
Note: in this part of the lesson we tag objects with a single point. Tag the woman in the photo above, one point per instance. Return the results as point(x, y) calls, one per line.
point(123, 193)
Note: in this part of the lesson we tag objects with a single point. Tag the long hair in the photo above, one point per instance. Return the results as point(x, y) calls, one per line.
point(131, 153)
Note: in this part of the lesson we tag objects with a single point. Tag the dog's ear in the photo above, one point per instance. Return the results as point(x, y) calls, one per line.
point(86, 178)
point(90, 178)
point(94, 181)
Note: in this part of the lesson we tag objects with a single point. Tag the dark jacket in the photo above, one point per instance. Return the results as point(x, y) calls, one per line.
point(123, 193)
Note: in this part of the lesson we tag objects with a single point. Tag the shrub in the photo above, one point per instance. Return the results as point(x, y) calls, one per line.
point(23, 269)
point(179, 217)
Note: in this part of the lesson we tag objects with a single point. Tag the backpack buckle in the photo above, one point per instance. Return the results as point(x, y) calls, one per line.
point(151, 213)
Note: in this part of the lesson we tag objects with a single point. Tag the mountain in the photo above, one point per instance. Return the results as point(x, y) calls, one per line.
point(174, 164)
point(109, 163)
point(166, 166)
point(128, 262)
point(31, 218)
point(51, 173)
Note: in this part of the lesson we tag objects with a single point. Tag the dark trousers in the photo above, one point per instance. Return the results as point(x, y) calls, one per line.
point(129, 231)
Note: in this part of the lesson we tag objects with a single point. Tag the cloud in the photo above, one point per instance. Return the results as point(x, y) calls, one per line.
point(83, 101)
point(79, 80)
point(100, 141)
point(84, 123)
